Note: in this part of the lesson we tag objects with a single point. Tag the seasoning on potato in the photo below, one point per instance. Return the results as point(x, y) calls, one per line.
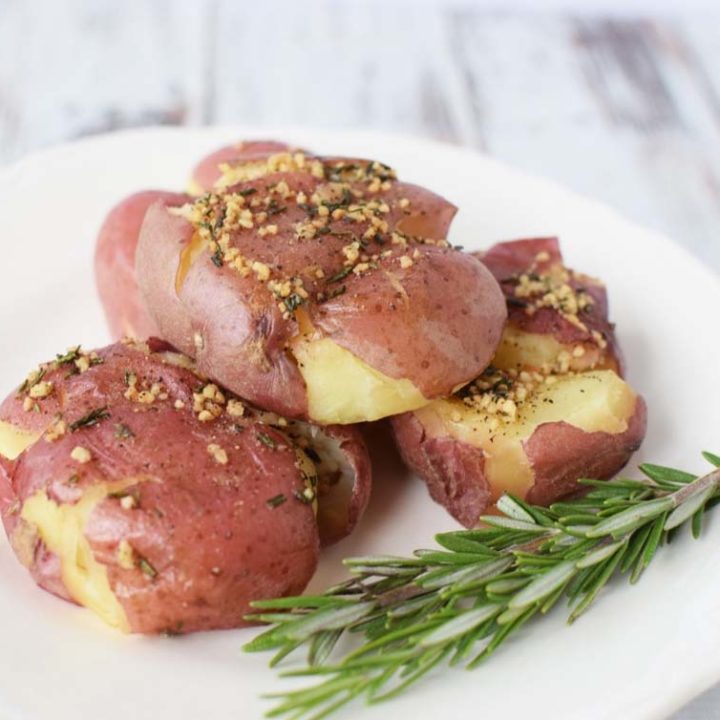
point(551, 408)
point(319, 288)
point(116, 495)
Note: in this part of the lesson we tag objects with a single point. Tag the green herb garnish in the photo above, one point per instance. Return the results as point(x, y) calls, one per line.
point(458, 603)
point(266, 440)
point(274, 208)
point(147, 568)
point(92, 418)
point(276, 501)
point(341, 275)
point(123, 432)
point(217, 257)
point(32, 379)
point(336, 292)
point(293, 301)
point(305, 496)
point(70, 356)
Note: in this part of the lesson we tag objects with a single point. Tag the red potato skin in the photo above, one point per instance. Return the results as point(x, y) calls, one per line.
point(115, 264)
point(422, 333)
point(559, 454)
point(205, 527)
point(407, 323)
point(453, 471)
point(506, 260)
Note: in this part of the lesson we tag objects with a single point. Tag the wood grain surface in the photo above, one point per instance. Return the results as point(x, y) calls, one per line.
point(626, 109)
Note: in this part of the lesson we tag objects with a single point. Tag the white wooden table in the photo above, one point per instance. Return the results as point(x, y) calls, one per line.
point(624, 109)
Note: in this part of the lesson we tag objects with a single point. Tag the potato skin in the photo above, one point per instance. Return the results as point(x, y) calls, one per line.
point(454, 471)
point(406, 320)
point(559, 454)
point(115, 264)
point(205, 527)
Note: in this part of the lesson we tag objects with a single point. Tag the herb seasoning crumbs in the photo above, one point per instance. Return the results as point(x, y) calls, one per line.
point(147, 568)
point(266, 440)
point(276, 501)
point(92, 418)
point(81, 454)
point(305, 496)
point(123, 432)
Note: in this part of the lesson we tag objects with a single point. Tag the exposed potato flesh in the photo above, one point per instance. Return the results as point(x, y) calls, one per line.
point(61, 527)
point(13, 440)
point(594, 401)
point(519, 349)
point(343, 389)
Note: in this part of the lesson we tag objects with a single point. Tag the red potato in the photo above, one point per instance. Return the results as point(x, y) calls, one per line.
point(550, 409)
point(115, 264)
point(320, 288)
point(131, 485)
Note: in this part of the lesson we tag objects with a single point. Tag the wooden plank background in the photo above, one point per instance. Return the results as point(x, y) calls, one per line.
point(624, 109)
point(627, 110)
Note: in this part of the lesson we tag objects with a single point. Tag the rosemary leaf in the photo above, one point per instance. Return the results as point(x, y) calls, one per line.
point(459, 603)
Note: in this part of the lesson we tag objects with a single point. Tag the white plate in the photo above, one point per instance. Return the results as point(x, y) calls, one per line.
point(640, 653)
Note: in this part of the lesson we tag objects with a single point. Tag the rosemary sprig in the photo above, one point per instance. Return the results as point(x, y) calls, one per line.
point(458, 603)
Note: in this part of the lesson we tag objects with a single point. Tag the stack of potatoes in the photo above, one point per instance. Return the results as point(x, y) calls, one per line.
point(201, 462)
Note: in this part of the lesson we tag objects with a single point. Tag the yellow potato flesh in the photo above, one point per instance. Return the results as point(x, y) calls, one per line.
point(343, 389)
point(14, 440)
point(593, 401)
point(61, 527)
point(520, 349)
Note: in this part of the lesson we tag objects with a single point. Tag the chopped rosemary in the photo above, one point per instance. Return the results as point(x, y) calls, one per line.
point(293, 301)
point(92, 418)
point(217, 257)
point(32, 379)
point(274, 209)
point(123, 432)
point(266, 440)
point(340, 275)
point(70, 356)
point(276, 501)
point(147, 568)
point(458, 603)
point(336, 292)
